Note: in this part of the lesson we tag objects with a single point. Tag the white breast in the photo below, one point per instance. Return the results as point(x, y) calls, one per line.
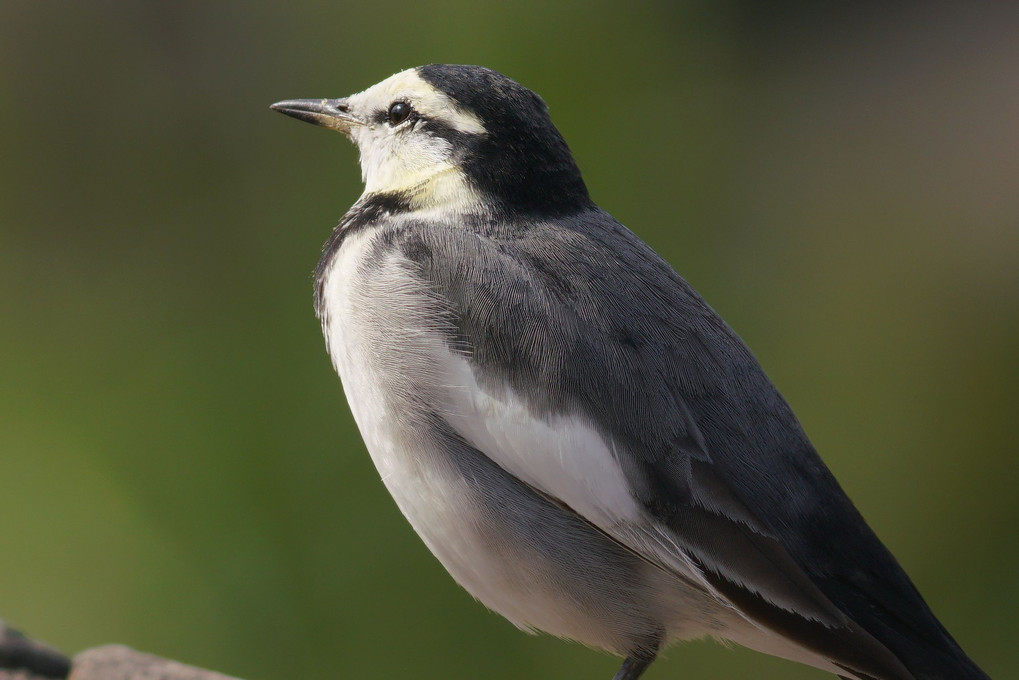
point(384, 334)
point(374, 318)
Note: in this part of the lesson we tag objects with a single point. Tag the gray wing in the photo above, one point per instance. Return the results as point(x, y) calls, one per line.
point(581, 319)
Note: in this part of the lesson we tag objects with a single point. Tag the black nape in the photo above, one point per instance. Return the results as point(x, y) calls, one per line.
point(521, 162)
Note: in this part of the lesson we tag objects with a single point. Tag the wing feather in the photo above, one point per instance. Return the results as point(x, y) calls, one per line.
point(617, 392)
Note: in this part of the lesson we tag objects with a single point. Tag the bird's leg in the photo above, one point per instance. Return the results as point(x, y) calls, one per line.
point(641, 656)
point(634, 666)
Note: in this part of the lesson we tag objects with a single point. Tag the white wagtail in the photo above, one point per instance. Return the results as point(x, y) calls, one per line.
point(575, 434)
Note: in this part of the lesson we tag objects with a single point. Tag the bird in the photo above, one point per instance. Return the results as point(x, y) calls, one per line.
point(577, 436)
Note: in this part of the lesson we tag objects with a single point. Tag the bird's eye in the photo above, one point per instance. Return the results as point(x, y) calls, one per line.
point(399, 112)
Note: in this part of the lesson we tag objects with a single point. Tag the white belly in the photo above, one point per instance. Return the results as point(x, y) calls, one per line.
point(375, 331)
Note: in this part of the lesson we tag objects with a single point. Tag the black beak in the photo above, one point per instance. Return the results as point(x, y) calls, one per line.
point(330, 113)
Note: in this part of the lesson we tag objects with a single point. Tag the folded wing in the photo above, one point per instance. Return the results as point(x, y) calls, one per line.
point(592, 372)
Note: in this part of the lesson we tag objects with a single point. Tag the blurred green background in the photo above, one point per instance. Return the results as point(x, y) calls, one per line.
point(178, 467)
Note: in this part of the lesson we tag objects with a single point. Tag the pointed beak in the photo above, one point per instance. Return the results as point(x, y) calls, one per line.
point(330, 113)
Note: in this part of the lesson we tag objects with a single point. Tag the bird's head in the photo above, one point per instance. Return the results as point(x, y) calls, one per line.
point(454, 137)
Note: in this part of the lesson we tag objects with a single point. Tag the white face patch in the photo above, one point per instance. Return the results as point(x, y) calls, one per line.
point(404, 157)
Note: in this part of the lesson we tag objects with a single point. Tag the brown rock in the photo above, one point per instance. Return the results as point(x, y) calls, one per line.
point(117, 662)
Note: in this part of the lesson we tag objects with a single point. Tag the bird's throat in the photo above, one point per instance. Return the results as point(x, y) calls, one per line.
point(448, 190)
